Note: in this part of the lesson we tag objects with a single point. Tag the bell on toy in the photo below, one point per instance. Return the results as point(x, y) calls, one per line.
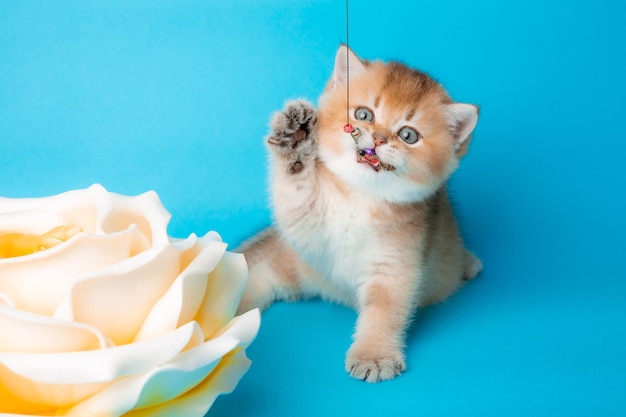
point(354, 131)
point(356, 134)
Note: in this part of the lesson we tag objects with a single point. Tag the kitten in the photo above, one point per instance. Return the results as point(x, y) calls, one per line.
point(369, 226)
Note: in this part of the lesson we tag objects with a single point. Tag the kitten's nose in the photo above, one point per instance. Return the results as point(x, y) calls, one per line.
point(379, 139)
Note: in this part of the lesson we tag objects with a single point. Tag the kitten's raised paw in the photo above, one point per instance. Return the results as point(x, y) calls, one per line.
point(292, 125)
point(297, 115)
point(372, 366)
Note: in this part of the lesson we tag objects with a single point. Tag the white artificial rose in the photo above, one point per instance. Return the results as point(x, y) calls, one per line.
point(102, 314)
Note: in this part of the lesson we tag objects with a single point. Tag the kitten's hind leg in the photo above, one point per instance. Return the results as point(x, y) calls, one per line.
point(274, 271)
point(471, 266)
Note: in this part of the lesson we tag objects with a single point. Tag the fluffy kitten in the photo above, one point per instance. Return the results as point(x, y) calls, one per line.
point(376, 236)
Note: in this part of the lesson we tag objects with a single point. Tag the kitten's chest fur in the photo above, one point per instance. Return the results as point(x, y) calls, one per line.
point(346, 235)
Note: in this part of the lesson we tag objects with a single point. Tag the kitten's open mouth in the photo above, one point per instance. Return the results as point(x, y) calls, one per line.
point(368, 156)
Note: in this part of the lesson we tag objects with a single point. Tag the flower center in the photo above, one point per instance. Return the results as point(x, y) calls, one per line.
point(20, 244)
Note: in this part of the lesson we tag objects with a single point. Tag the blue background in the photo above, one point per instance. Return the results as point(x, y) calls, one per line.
point(175, 96)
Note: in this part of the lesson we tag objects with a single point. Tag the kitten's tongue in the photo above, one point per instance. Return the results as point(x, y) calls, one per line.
point(369, 157)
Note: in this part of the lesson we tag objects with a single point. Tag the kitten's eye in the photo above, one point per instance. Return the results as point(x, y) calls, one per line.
point(365, 114)
point(408, 135)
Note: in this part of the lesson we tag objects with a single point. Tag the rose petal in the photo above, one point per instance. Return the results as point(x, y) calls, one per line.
point(22, 395)
point(64, 379)
point(197, 402)
point(123, 211)
point(183, 299)
point(30, 221)
point(117, 299)
point(102, 365)
point(68, 199)
point(33, 333)
point(175, 369)
point(174, 378)
point(225, 286)
point(78, 207)
point(38, 282)
point(96, 210)
point(6, 300)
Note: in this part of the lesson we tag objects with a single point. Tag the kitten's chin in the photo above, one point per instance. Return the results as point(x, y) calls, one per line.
point(380, 183)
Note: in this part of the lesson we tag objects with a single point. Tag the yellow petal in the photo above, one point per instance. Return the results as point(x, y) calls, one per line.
point(63, 379)
point(174, 378)
point(32, 333)
point(25, 396)
point(38, 282)
point(30, 221)
point(116, 300)
point(62, 233)
point(20, 244)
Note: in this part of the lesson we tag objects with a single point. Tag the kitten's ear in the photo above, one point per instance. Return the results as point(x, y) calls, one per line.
point(346, 57)
point(462, 120)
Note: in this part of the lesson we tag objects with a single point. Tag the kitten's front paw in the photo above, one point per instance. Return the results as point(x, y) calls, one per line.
point(293, 134)
point(293, 124)
point(374, 365)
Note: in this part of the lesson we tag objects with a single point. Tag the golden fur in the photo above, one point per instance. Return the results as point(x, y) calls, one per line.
point(381, 240)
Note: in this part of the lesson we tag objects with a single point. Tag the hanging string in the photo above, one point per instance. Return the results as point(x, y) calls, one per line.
point(348, 128)
point(347, 67)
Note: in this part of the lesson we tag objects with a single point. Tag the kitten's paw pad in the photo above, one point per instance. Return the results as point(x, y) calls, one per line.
point(372, 367)
point(293, 124)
